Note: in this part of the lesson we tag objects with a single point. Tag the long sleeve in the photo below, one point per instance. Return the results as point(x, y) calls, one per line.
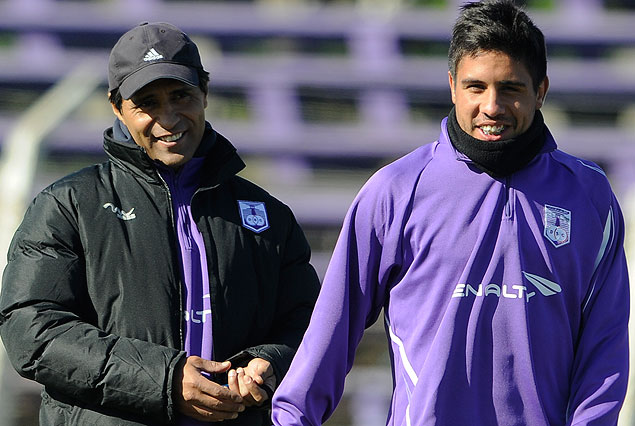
point(600, 369)
point(45, 325)
point(351, 298)
point(298, 289)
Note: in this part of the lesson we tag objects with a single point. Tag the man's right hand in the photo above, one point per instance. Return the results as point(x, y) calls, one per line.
point(200, 398)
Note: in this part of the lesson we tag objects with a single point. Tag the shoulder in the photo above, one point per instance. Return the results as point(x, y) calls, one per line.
point(400, 177)
point(55, 211)
point(77, 185)
point(577, 166)
point(246, 191)
point(583, 175)
point(72, 198)
point(388, 194)
point(79, 179)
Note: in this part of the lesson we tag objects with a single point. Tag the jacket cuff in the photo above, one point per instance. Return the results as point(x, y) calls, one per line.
point(279, 356)
point(176, 363)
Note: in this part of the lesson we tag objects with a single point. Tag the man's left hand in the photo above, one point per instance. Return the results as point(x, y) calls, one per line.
point(247, 381)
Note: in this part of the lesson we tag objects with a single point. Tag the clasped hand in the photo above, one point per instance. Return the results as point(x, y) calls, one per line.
point(200, 398)
point(248, 381)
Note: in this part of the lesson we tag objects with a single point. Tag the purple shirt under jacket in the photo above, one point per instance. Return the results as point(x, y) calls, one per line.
point(197, 313)
point(505, 300)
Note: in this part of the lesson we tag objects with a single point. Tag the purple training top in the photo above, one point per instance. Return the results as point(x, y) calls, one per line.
point(505, 300)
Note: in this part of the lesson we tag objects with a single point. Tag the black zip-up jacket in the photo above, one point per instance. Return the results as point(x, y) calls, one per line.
point(91, 303)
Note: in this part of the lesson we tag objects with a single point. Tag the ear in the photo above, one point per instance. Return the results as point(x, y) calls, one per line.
point(542, 92)
point(452, 87)
point(116, 112)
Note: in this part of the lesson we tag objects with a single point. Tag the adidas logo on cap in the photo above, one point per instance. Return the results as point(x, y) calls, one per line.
point(152, 55)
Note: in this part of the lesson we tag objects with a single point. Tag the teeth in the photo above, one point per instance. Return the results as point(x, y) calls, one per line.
point(492, 130)
point(172, 138)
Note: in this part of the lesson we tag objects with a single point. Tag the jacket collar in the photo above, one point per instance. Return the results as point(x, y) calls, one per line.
point(221, 159)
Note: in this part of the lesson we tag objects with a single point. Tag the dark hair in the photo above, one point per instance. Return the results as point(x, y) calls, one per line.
point(501, 26)
point(203, 82)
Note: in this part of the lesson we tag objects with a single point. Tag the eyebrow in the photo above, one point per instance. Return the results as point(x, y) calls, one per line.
point(514, 83)
point(467, 81)
point(138, 99)
point(182, 89)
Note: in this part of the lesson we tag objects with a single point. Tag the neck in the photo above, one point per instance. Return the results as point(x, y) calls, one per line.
point(499, 158)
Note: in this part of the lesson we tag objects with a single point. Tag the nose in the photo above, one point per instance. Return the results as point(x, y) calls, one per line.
point(492, 105)
point(167, 116)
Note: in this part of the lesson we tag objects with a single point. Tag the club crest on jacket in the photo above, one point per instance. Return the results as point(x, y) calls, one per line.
point(253, 215)
point(557, 225)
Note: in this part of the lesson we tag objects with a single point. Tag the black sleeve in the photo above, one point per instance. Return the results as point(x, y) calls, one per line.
point(49, 339)
point(298, 290)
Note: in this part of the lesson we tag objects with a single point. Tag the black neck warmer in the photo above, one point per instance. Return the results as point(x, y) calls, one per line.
point(499, 158)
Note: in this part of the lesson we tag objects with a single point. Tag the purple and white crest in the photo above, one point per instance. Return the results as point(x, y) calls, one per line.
point(557, 225)
point(253, 215)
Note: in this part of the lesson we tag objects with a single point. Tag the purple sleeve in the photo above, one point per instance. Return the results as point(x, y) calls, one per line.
point(351, 298)
point(600, 370)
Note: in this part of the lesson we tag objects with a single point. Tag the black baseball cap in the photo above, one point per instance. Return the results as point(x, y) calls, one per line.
point(151, 51)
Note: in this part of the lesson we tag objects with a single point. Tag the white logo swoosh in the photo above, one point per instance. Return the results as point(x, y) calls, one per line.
point(545, 286)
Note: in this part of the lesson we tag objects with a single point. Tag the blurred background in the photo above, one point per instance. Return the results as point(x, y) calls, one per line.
point(315, 94)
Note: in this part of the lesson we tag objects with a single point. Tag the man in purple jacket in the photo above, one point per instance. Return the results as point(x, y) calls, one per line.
point(497, 260)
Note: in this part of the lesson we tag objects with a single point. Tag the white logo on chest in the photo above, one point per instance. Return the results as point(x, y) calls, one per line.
point(543, 285)
point(120, 213)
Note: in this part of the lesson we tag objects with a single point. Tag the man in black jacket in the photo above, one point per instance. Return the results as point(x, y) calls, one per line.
point(130, 283)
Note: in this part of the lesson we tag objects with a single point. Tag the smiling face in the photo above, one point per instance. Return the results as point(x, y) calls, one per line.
point(494, 96)
point(167, 118)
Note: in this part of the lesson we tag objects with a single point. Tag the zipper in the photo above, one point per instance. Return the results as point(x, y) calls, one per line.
point(176, 261)
point(178, 196)
point(212, 289)
point(509, 199)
